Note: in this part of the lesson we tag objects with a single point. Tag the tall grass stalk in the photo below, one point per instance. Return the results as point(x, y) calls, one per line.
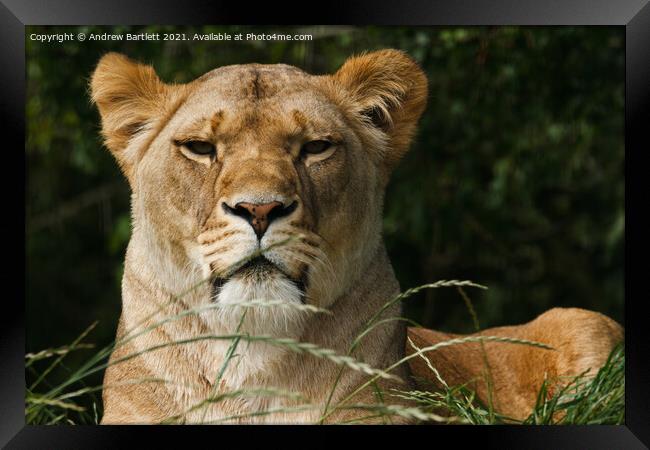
point(487, 375)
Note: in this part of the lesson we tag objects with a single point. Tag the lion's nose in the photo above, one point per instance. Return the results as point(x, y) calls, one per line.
point(260, 215)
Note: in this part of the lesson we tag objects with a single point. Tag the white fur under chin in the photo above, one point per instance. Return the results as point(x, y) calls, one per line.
point(278, 320)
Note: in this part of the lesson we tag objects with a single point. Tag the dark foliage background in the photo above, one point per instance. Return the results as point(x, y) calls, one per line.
point(515, 180)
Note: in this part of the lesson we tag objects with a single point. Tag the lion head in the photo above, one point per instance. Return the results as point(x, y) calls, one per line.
point(267, 178)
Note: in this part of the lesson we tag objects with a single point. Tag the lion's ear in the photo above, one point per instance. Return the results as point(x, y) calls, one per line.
point(389, 89)
point(130, 98)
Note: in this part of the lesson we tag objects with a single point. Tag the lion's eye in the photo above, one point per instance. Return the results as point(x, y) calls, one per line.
point(315, 147)
point(200, 147)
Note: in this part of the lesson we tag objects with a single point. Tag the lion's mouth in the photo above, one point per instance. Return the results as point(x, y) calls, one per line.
point(258, 270)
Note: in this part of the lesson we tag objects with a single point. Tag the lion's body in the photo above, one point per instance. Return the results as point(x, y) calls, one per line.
point(286, 168)
point(581, 341)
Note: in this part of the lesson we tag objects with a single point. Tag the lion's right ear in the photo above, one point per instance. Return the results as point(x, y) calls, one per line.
point(130, 98)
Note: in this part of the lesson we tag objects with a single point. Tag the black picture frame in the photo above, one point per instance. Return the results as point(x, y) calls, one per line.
point(633, 15)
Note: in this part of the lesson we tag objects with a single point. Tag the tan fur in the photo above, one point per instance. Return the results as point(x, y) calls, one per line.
point(581, 341)
point(258, 117)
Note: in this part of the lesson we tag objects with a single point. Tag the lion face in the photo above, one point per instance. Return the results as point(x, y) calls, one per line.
point(266, 178)
point(258, 166)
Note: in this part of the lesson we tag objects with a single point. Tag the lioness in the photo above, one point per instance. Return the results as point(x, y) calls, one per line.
point(269, 182)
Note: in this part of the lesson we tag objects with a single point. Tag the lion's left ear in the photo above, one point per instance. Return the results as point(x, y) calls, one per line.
point(390, 90)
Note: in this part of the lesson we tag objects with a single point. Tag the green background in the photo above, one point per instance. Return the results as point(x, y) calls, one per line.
point(515, 180)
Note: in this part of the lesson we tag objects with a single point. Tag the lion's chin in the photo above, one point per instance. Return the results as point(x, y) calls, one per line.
point(274, 289)
point(269, 304)
point(259, 280)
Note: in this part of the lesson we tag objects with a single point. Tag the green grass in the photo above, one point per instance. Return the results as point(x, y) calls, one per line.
point(595, 400)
